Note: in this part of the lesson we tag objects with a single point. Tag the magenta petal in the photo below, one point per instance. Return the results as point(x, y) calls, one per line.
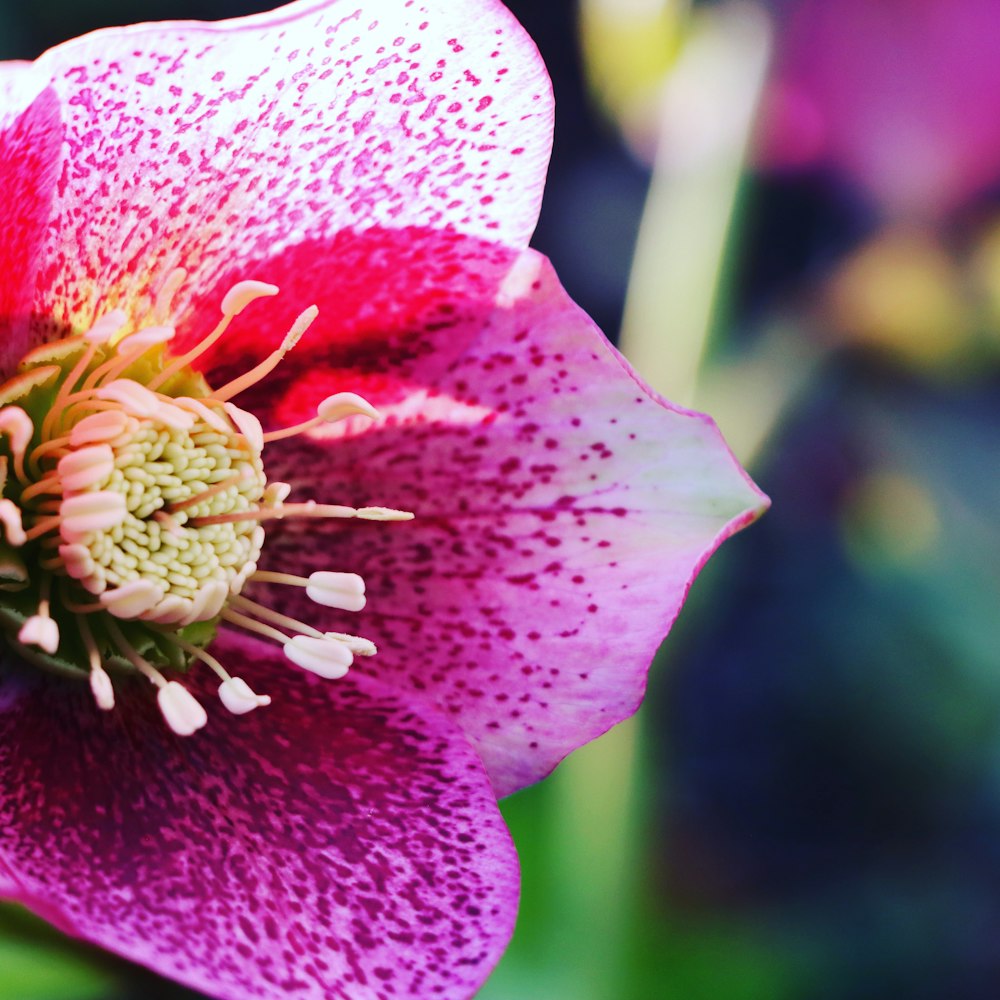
point(903, 94)
point(562, 510)
point(197, 145)
point(30, 144)
point(340, 843)
point(394, 305)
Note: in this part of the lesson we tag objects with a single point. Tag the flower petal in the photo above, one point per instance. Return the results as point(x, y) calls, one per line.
point(562, 513)
point(30, 144)
point(242, 135)
point(396, 306)
point(338, 842)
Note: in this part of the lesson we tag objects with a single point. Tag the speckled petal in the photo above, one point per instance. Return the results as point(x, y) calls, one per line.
point(200, 144)
point(30, 142)
point(562, 512)
point(338, 844)
point(396, 307)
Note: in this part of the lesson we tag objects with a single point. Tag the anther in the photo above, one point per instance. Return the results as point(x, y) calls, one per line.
point(237, 696)
point(10, 518)
point(345, 591)
point(105, 328)
point(357, 644)
point(248, 425)
point(17, 425)
point(99, 428)
point(243, 293)
point(100, 683)
point(85, 467)
point(183, 712)
point(40, 630)
point(138, 400)
point(327, 658)
point(86, 512)
point(132, 599)
point(101, 687)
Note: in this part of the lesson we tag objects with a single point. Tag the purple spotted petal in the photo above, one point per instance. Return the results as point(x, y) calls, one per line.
point(341, 843)
point(196, 145)
point(562, 511)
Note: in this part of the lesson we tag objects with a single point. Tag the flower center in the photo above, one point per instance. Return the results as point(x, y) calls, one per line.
point(132, 504)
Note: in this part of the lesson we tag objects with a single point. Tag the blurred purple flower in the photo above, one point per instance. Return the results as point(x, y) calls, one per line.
point(384, 161)
point(903, 96)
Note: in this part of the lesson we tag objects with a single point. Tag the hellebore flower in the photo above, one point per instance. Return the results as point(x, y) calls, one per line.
point(382, 164)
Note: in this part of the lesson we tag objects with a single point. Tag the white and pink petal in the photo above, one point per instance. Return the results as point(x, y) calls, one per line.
point(196, 145)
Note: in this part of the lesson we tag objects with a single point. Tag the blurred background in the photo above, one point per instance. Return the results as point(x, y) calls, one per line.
point(787, 213)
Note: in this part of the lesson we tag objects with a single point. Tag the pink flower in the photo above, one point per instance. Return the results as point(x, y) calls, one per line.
point(329, 837)
point(902, 95)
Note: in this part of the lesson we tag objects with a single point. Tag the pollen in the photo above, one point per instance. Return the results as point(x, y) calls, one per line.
point(133, 505)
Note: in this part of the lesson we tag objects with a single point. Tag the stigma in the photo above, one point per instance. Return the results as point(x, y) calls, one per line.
point(133, 512)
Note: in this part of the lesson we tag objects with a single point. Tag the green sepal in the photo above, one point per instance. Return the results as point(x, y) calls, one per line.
point(13, 572)
point(69, 660)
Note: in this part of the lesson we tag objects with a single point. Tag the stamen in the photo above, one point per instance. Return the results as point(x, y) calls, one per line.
point(17, 425)
point(213, 419)
point(78, 515)
point(104, 330)
point(41, 630)
point(234, 302)
point(308, 509)
point(163, 304)
point(138, 400)
point(236, 695)
point(243, 293)
point(128, 351)
point(333, 408)
point(248, 425)
point(275, 493)
point(207, 602)
point(207, 494)
point(85, 467)
point(234, 692)
point(10, 518)
point(51, 485)
point(98, 335)
point(183, 712)
point(164, 518)
point(275, 617)
point(272, 361)
point(132, 599)
point(126, 649)
point(100, 683)
point(333, 590)
point(251, 625)
point(357, 644)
